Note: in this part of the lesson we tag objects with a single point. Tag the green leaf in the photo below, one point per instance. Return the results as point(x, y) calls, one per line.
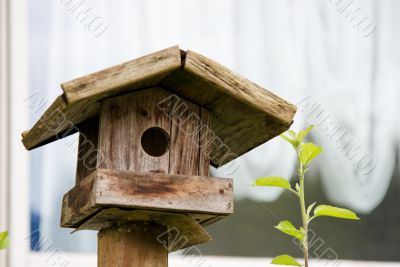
point(288, 228)
point(294, 142)
point(302, 134)
point(276, 181)
point(285, 260)
point(4, 241)
point(326, 210)
point(308, 152)
point(310, 208)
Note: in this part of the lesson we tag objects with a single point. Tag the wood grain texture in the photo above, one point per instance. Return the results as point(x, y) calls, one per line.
point(238, 87)
point(185, 127)
point(182, 230)
point(205, 143)
point(79, 202)
point(238, 130)
point(60, 120)
point(43, 129)
point(123, 120)
point(121, 77)
point(135, 246)
point(87, 149)
point(243, 114)
point(150, 191)
point(178, 193)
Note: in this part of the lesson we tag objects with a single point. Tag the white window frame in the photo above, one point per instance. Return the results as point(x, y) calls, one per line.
point(14, 159)
point(3, 125)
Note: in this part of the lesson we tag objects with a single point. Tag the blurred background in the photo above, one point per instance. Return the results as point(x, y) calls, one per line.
point(337, 60)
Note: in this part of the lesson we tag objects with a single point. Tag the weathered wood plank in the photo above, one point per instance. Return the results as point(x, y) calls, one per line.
point(182, 230)
point(79, 202)
point(118, 78)
point(179, 193)
point(239, 87)
point(237, 130)
point(185, 127)
point(133, 246)
point(87, 149)
point(204, 143)
point(48, 124)
point(59, 120)
point(122, 122)
point(150, 191)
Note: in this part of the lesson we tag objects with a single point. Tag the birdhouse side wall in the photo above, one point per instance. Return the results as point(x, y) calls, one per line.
point(87, 148)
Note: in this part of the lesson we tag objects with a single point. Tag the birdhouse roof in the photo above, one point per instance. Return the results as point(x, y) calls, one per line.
point(244, 115)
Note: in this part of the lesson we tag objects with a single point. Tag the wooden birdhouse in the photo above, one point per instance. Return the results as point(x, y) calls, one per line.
point(149, 130)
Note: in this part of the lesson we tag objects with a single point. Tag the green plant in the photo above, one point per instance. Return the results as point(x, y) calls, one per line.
point(4, 241)
point(306, 152)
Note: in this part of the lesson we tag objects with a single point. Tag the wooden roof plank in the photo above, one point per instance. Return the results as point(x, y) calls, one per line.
point(117, 78)
point(42, 128)
point(239, 87)
point(59, 121)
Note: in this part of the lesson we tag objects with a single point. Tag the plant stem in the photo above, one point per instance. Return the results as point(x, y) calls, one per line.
point(304, 215)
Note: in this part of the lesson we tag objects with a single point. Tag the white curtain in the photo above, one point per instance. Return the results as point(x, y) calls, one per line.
point(296, 49)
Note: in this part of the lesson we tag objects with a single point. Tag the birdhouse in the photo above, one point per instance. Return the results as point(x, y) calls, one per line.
point(148, 131)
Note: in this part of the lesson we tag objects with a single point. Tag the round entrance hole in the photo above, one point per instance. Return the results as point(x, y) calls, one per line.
point(155, 141)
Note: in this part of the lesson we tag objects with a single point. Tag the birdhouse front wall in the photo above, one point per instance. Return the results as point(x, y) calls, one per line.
point(151, 131)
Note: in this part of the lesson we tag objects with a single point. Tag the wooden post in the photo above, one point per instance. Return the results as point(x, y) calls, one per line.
point(133, 246)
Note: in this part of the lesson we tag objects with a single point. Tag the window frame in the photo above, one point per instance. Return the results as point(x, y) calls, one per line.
point(14, 176)
point(3, 124)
